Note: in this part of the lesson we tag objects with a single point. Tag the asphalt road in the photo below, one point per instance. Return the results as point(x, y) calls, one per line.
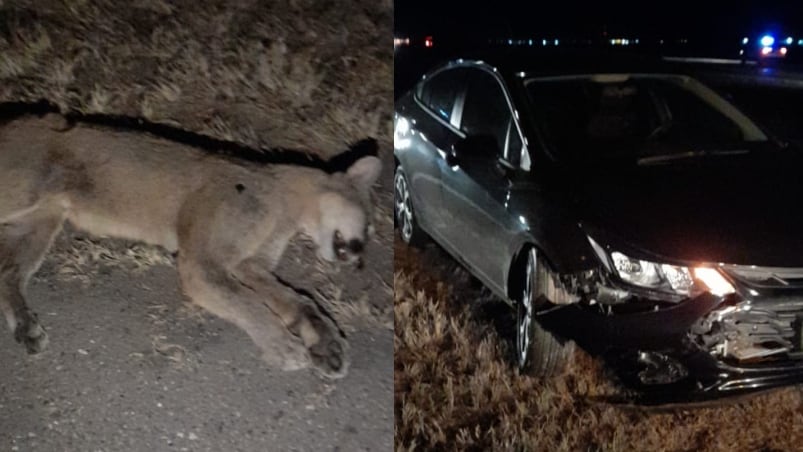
point(130, 367)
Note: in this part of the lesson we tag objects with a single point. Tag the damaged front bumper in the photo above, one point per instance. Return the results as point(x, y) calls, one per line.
point(697, 349)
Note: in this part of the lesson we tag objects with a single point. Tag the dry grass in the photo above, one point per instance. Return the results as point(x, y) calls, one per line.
point(76, 256)
point(455, 389)
point(302, 74)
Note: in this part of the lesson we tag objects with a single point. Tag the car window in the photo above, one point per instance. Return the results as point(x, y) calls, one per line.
point(589, 118)
point(485, 111)
point(440, 91)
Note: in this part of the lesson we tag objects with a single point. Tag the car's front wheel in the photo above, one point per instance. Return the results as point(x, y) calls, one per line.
point(403, 211)
point(538, 352)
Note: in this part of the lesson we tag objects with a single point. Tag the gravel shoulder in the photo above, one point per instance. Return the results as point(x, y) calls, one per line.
point(132, 367)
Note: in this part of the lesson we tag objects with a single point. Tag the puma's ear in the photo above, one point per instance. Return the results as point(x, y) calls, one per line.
point(364, 172)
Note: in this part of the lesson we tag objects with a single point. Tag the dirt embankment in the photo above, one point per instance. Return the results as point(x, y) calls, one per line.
point(302, 74)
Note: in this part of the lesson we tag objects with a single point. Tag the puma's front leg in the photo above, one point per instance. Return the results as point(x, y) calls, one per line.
point(327, 349)
point(218, 231)
point(213, 289)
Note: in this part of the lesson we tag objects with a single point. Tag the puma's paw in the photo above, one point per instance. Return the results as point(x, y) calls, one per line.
point(330, 358)
point(288, 355)
point(32, 335)
point(329, 353)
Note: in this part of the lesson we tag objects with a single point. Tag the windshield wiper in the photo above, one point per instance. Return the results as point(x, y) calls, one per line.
point(688, 155)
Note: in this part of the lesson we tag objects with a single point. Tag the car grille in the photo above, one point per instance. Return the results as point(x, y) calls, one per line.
point(754, 332)
point(766, 277)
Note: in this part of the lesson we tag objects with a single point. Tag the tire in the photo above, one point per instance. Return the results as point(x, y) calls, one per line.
point(403, 212)
point(538, 352)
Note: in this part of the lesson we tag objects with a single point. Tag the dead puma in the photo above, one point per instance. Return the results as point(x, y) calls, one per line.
point(229, 221)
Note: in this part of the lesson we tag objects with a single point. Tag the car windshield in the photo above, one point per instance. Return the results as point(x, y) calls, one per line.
point(635, 117)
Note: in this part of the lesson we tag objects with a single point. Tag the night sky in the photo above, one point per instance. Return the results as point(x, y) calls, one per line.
point(503, 18)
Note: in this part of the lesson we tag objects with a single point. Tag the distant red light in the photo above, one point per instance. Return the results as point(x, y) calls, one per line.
point(428, 41)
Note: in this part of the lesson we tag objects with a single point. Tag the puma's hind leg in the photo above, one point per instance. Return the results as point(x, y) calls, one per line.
point(23, 244)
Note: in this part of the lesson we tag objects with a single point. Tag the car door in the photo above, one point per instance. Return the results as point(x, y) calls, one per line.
point(477, 188)
point(434, 127)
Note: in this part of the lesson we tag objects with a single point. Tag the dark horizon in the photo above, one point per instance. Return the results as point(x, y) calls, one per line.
point(498, 19)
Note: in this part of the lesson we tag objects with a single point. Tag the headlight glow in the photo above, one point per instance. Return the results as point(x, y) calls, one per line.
point(670, 278)
point(713, 279)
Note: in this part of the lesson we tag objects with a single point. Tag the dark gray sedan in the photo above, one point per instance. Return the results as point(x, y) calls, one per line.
point(618, 204)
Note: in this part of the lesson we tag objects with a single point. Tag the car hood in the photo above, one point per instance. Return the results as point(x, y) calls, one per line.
point(744, 210)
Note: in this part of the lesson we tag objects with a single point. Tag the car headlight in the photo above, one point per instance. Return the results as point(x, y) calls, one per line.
point(672, 278)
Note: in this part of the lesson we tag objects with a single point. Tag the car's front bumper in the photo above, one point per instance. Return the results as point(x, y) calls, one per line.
point(680, 353)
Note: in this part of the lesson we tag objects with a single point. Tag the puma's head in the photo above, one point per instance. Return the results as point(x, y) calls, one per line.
point(344, 212)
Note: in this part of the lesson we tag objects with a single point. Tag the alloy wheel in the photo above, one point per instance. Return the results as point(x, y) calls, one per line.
point(403, 208)
point(524, 312)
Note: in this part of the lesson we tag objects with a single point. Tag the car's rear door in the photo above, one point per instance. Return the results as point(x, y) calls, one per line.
point(476, 189)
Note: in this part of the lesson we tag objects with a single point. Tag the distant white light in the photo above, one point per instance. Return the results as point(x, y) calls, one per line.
point(741, 52)
point(522, 220)
point(745, 40)
point(510, 42)
point(531, 42)
point(789, 40)
point(767, 41)
point(556, 42)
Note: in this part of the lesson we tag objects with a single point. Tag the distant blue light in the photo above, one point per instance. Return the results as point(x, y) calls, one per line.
point(789, 40)
point(767, 41)
point(443, 113)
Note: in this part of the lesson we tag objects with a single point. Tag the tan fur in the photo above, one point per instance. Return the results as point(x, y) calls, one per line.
point(229, 221)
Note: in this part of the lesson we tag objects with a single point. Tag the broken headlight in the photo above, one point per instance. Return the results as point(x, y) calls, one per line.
point(689, 281)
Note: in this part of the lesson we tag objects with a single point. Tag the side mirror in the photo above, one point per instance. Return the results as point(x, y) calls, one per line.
point(473, 147)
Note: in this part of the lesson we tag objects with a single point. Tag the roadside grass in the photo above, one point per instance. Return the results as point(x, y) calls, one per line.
point(455, 388)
